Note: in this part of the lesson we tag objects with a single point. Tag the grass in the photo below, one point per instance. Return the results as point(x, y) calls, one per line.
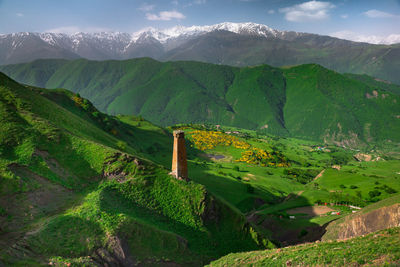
point(112, 172)
point(380, 248)
point(335, 107)
point(231, 179)
point(52, 141)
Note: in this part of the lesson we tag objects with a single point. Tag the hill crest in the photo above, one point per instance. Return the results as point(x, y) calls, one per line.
point(306, 101)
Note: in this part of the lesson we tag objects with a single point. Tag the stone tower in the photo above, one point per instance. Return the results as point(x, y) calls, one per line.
point(179, 163)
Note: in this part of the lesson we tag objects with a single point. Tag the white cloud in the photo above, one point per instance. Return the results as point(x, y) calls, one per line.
point(19, 15)
point(146, 7)
point(66, 29)
point(271, 11)
point(195, 2)
point(307, 11)
point(165, 15)
point(175, 2)
point(344, 16)
point(373, 13)
point(373, 39)
point(75, 29)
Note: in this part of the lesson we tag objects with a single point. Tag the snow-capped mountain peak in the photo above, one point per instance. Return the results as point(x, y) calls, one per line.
point(181, 31)
point(118, 45)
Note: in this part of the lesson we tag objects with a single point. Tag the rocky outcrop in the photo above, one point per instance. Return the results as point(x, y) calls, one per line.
point(364, 223)
point(116, 255)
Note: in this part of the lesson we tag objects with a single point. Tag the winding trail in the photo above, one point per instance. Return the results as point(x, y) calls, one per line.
point(319, 175)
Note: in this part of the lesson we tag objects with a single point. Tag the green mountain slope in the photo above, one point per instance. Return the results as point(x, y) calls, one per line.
point(376, 249)
point(222, 47)
point(369, 236)
point(364, 221)
point(306, 101)
point(74, 190)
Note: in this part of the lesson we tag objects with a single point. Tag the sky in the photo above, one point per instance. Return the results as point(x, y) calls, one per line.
point(374, 21)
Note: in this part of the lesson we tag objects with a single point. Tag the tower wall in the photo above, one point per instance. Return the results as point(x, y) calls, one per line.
point(179, 163)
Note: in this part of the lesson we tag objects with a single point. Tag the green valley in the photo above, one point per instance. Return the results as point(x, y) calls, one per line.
point(296, 154)
point(189, 133)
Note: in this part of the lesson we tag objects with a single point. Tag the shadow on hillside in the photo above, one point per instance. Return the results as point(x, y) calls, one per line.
point(249, 198)
point(155, 144)
point(158, 147)
point(290, 222)
point(220, 181)
point(245, 196)
point(151, 235)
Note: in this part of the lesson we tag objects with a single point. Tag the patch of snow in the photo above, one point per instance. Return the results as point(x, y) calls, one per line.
point(181, 31)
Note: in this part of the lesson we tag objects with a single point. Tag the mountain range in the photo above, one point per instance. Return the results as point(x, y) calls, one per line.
point(305, 101)
point(236, 44)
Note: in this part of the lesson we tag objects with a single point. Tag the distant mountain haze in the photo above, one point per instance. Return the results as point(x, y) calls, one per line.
point(235, 44)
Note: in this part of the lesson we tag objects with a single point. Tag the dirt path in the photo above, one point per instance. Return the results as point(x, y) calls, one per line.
point(310, 210)
point(30, 210)
point(319, 175)
point(54, 165)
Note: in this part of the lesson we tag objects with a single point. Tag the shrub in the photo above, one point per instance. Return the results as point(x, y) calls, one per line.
point(340, 158)
point(390, 190)
point(374, 193)
point(250, 189)
point(121, 145)
point(301, 175)
point(386, 188)
point(302, 233)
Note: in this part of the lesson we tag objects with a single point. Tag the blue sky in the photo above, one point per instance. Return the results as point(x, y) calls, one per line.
point(365, 20)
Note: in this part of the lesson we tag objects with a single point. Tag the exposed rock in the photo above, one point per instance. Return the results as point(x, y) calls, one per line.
point(117, 171)
point(337, 167)
point(211, 211)
point(362, 157)
point(116, 255)
point(286, 236)
point(53, 164)
point(41, 197)
point(361, 224)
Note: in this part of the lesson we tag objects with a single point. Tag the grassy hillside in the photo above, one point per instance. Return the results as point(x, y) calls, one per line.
point(340, 109)
point(97, 187)
point(268, 178)
point(365, 221)
point(306, 101)
point(376, 249)
point(75, 187)
point(344, 56)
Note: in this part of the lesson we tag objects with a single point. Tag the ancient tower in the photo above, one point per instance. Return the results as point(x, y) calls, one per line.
point(179, 163)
